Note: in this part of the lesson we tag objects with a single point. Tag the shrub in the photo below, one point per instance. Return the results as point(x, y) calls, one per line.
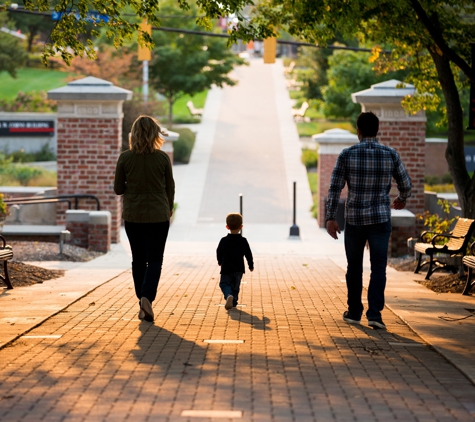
point(36, 101)
point(431, 180)
point(23, 174)
point(309, 158)
point(3, 209)
point(186, 119)
point(44, 154)
point(446, 179)
point(440, 188)
point(436, 223)
point(183, 147)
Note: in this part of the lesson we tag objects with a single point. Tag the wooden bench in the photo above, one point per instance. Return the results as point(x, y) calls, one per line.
point(194, 111)
point(288, 70)
point(6, 254)
point(469, 262)
point(299, 113)
point(456, 245)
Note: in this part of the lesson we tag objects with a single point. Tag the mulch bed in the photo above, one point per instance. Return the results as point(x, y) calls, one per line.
point(22, 274)
point(440, 282)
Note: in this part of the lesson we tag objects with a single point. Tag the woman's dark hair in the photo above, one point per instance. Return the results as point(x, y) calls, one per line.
point(368, 124)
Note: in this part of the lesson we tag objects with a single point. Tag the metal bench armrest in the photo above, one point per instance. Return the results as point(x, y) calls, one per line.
point(4, 241)
point(445, 235)
point(424, 233)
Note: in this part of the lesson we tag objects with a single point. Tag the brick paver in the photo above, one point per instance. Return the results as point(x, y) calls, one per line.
point(298, 361)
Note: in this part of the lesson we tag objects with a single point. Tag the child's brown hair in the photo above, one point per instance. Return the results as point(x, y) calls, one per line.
point(234, 221)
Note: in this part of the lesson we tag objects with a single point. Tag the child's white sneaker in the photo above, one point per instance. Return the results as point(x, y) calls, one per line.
point(229, 303)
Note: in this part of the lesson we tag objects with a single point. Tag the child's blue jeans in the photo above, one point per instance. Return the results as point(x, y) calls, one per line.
point(230, 285)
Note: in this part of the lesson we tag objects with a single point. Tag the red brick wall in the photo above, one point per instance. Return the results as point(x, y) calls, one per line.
point(408, 139)
point(436, 164)
point(398, 241)
point(88, 150)
point(99, 237)
point(79, 233)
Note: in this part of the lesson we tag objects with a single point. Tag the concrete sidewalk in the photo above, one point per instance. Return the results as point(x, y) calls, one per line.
point(283, 355)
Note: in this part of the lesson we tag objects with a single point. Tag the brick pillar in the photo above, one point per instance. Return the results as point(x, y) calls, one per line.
point(77, 222)
point(89, 143)
point(330, 144)
point(436, 164)
point(99, 234)
point(403, 132)
point(402, 222)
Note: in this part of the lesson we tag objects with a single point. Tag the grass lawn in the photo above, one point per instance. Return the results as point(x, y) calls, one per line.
point(30, 79)
point(181, 110)
point(313, 182)
point(315, 127)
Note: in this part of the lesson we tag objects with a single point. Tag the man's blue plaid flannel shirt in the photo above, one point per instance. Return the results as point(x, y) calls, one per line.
point(368, 168)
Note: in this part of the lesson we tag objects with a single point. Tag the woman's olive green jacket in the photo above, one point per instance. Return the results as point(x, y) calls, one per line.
point(146, 181)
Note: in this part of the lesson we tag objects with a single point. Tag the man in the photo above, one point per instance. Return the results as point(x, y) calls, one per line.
point(367, 168)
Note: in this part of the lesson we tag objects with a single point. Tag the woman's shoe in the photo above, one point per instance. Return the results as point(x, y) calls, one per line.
point(146, 307)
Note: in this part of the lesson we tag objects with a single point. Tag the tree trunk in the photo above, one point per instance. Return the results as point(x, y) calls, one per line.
point(31, 38)
point(170, 110)
point(455, 155)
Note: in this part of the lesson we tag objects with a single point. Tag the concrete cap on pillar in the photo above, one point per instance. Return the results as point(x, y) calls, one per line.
point(384, 100)
point(333, 141)
point(384, 92)
point(77, 215)
point(402, 218)
point(169, 139)
point(90, 88)
point(100, 217)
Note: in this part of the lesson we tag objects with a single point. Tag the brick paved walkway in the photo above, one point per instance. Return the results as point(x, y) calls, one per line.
point(297, 360)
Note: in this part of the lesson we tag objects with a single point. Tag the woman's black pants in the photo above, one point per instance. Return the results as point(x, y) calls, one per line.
point(147, 241)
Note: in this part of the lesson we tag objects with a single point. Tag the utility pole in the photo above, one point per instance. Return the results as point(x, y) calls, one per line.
point(145, 55)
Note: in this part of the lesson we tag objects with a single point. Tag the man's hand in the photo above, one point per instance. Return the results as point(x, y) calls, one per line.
point(398, 205)
point(333, 228)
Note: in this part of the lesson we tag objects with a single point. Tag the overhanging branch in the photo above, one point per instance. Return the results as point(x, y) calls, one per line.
point(438, 38)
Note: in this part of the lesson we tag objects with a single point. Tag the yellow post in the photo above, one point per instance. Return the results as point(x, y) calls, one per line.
point(144, 52)
point(270, 46)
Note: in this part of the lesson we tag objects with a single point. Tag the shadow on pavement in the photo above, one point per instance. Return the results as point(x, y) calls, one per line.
point(246, 318)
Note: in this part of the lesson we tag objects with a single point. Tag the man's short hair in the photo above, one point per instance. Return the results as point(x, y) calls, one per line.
point(234, 220)
point(368, 124)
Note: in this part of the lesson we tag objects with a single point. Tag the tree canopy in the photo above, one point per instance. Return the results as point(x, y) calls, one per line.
point(12, 53)
point(430, 38)
point(188, 65)
point(31, 25)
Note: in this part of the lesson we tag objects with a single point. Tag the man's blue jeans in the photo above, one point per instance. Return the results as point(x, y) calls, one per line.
point(230, 284)
point(377, 235)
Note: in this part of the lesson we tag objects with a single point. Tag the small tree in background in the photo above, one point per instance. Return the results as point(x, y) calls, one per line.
point(189, 65)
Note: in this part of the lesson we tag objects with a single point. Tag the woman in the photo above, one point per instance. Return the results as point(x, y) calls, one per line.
point(144, 176)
